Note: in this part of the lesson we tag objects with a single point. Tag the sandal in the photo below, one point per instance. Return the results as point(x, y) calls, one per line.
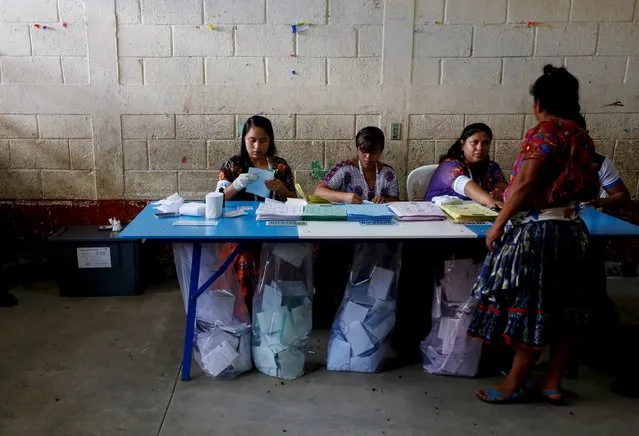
point(545, 396)
point(496, 397)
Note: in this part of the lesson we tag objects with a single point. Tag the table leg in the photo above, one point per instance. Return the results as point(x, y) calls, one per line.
point(190, 312)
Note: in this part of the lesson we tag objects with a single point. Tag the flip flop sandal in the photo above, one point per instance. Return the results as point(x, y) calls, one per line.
point(545, 396)
point(496, 397)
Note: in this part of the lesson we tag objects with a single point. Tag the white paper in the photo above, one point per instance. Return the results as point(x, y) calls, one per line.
point(380, 324)
point(234, 213)
point(302, 318)
point(381, 282)
point(193, 209)
point(300, 201)
point(257, 187)
point(291, 363)
point(219, 359)
point(358, 338)
point(353, 312)
point(278, 210)
point(370, 363)
point(223, 303)
point(208, 341)
point(171, 203)
point(292, 253)
point(272, 321)
point(94, 257)
point(264, 360)
point(244, 362)
point(271, 298)
point(292, 288)
point(339, 355)
point(205, 223)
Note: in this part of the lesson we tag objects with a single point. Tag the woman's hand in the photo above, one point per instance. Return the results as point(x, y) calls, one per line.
point(379, 200)
point(497, 194)
point(274, 185)
point(352, 198)
point(493, 235)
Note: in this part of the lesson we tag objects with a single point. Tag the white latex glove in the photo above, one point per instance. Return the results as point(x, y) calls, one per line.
point(243, 180)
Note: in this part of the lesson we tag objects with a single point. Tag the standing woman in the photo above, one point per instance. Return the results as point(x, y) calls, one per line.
point(536, 287)
point(257, 149)
point(364, 178)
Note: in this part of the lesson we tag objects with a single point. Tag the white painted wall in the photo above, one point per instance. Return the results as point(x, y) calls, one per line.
point(139, 98)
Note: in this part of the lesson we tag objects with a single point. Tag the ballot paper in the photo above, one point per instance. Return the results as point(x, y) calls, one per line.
point(220, 358)
point(257, 187)
point(358, 338)
point(272, 321)
point(222, 305)
point(264, 360)
point(291, 363)
point(369, 363)
point(339, 355)
point(292, 288)
point(380, 324)
point(381, 283)
point(353, 312)
point(271, 298)
point(292, 253)
point(208, 341)
point(302, 318)
point(244, 362)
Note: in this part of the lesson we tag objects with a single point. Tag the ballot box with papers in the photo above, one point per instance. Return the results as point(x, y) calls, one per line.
point(222, 339)
point(360, 334)
point(282, 310)
point(448, 350)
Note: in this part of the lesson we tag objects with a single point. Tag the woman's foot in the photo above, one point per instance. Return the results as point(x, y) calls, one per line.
point(501, 395)
point(551, 394)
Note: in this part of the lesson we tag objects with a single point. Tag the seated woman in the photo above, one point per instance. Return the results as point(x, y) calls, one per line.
point(466, 171)
point(363, 178)
point(257, 149)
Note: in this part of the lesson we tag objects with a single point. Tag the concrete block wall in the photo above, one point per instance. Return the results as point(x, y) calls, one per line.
point(135, 99)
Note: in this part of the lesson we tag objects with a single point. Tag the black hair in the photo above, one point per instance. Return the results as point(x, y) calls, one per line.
point(263, 123)
point(557, 93)
point(370, 139)
point(456, 150)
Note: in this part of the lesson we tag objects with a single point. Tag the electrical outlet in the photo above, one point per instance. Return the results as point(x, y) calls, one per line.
point(396, 131)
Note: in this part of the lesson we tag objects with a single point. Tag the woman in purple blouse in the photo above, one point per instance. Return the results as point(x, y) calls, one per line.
point(466, 171)
point(364, 178)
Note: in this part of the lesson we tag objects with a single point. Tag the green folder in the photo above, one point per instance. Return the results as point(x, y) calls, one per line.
point(324, 212)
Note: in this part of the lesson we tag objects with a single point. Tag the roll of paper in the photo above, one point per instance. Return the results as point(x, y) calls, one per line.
point(192, 209)
point(214, 204)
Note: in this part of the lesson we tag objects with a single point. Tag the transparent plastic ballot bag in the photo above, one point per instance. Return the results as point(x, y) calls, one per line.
point(359, 339)
point(448, 350)
point(222, 339)
point(283, 309)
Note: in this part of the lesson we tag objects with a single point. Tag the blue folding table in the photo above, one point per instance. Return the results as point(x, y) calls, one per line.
point(247, 229)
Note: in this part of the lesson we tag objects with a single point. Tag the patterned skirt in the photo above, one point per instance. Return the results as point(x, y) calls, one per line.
point(538, 286)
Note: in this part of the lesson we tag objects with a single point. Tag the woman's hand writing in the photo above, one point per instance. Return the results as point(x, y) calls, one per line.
point(352, 198)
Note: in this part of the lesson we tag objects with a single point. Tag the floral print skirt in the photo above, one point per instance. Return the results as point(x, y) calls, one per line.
point(538, 286)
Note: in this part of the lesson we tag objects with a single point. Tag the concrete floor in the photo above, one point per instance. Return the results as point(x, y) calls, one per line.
point(111, 367)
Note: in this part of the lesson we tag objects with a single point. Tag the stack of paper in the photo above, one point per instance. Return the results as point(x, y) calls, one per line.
point(224, 352)
point(469, 212)
point(416, 211)
point(369, 212)
point(273, 211)
point(324, 212)
point(361, 330)
point(281, 329)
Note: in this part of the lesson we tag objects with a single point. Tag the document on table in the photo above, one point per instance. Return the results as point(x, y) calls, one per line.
point(257, 187)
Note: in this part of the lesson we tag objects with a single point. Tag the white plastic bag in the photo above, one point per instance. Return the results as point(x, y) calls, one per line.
point(447, 349)
point(283, 309)
point(222, 339)
point(360, 334)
